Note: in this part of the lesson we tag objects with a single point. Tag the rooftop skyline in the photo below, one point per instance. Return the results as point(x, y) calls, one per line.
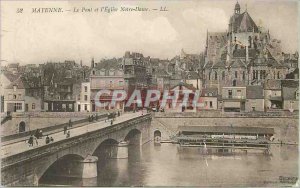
point(37, 38)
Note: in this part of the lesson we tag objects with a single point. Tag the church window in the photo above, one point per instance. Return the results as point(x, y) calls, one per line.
point(244, 75)
point(278, 75)
point(235, 74)
point(253, 74)
point(216, 75)
point(261, 74)
point(223, 75)
point(234, 83)
point(250, 42)
point(209, 76)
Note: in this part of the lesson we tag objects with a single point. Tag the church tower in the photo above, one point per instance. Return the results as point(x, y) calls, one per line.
point(237, 8)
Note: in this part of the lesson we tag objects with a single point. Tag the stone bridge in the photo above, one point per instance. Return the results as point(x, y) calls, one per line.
point(27, 168)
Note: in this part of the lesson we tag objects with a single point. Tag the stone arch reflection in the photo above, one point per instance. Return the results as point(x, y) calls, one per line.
point(66, 170)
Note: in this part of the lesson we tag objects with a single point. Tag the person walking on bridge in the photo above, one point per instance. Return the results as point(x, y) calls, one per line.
point(47, 140)
point(30, 141)
point(65, 129)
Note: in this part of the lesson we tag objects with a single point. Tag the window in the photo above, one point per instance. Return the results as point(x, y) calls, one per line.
point(85, 107)
point(15, 88)
point(18, 106)
point(93, 72)
point(216, 75)
point(15, 96)
point(210, 94)
point(205, 103)
point(223, 75)
point(85, 88)
point(120, 83)
point(278, 75)
point(85, 97)
point(261, 75)
point(244, 76)
point(19, 96)
point(230, 94)
point(235, 74)
point(33, 106)
point(210, 104)
point(208, 76)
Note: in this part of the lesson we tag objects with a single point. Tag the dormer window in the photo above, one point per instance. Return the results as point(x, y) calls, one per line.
point(210, 94)
point(15, 88)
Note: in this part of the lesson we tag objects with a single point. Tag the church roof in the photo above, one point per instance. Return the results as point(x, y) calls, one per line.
point(243, 23)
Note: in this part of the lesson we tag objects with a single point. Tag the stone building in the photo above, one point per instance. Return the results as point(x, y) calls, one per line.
point(243, 55)
point(107, 75)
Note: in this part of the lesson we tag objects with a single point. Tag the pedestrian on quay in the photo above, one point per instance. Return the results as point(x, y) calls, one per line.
point(41, 134)
point(65, 129)
point(51, 139)
point(30, 141)
point(68, 134)
point(70, 123)
point(36, 141)
point(36, 134)
point(47, 139)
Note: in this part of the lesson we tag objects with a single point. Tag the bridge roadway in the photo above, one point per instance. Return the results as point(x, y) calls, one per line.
point(22, 146)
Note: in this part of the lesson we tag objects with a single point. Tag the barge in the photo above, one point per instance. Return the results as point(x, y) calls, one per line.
point(225, 137)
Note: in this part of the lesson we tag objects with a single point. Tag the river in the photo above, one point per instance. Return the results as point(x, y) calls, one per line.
point(170, 165)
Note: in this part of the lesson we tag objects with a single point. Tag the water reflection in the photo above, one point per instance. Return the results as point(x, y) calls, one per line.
point(170, 165)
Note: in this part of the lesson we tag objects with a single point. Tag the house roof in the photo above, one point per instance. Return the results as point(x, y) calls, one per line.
point(226, 129)
point(272, 84)
point(10, 76)
point(207, 91)
point(254, 92)
point(188, 86)
point(290, 83)
point(192, 75)
point(108, 64)
point(18, 82)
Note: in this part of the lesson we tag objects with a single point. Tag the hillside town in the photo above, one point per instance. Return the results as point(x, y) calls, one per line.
point(241, 70)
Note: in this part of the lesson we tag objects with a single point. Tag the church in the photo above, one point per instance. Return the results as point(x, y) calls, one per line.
point(243, 55)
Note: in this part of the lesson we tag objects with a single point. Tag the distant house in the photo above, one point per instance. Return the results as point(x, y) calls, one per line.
point(290, 95)
point(83, 103)
point(192, 77)
point(254, 98)
point(181, 88)
point(272, 94)
point(233, 99)
point(14, 97)
point(107, 75)
point(208, 99)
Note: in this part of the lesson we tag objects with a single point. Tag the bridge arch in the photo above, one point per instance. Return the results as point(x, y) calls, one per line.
point(134, 137)
point(69, 165)
point(106, 149)
point(157, 135)
point(22, 126)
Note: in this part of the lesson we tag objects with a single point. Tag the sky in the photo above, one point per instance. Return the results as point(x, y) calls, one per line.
point(34, 38)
